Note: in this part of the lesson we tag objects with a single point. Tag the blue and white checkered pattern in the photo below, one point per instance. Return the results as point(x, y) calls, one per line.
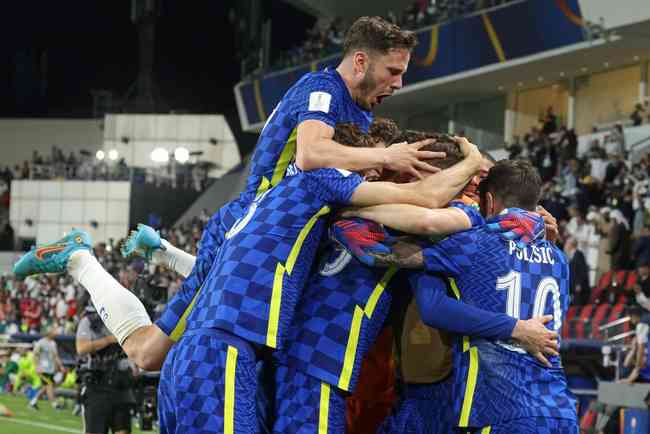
point(509, 383)
point(321, 330)
point(192, 390)
point(293, 109)
point(298, 403)
point(422, 409)
point(271, 249)
point(277, 139)
point(533, 425)
point(213, 236)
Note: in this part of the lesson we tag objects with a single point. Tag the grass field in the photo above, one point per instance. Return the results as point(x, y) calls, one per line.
point(44, 421)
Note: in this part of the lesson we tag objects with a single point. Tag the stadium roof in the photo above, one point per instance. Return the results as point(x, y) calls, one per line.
point(348, 9)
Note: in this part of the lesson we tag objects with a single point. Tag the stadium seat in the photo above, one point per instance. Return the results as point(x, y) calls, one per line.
point(569, 322)
point(583, 324)
point(599, 319)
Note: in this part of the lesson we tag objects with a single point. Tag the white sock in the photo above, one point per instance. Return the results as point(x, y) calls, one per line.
point(118, 307)
point(174, 258)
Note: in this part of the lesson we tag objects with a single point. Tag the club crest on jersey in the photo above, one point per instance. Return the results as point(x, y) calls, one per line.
point(319, 102)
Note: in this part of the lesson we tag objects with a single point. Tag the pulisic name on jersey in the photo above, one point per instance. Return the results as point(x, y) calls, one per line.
point(538, 255)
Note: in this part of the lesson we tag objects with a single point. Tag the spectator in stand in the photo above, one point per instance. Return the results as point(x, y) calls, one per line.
point(637, 116)
point(546, 159)
point(616, 141)
point(7, 237)
point(641, 252)
point(580, 289)
point(585, 233)
point(637, 358)
point(618, 239)
point(549, 122)
point(642, 286)
point(570, 180)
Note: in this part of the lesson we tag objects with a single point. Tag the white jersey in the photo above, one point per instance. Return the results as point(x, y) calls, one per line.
point(46, 352)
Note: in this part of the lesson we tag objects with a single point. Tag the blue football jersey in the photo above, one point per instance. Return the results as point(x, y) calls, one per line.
point(496, 381)
point(320, 96)
point(341, 312)
point(258, 276)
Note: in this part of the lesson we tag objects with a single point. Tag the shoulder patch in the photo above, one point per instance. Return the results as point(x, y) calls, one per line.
point(320, 102)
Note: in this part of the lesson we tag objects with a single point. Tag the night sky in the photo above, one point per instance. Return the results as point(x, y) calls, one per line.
point(54, 53)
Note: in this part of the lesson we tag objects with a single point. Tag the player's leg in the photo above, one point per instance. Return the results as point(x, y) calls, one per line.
point(305, 405)
point(166, 396)
point(213, 381)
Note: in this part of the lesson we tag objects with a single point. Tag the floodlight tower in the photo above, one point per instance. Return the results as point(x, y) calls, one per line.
point(143, 95)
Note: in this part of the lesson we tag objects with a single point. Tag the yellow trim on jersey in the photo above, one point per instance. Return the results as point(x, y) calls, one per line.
point(454, 287)
point(182, 322)
point(355, 328)
point(470, 386)
point(286, 157)
point(259, 102)
point(486, 430)
point(314, 66)
point(324, 408)
point(278, 278)
point(433, 49)
point(229, 400)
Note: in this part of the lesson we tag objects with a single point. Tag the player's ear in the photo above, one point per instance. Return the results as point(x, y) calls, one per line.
point(489, 204)
point(361, 62)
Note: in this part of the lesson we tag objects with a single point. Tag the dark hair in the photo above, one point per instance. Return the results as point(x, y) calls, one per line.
point(443, 143)
point(634, 310)
point(515, 182)
point(383, 130)
point(488, 157)
point(377, 34)
point(350, 135)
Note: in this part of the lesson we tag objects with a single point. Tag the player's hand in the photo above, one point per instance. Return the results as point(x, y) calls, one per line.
point(466, 147)
point(536, 339)
point(362, 238)
point(550, 224)
point(406, 158)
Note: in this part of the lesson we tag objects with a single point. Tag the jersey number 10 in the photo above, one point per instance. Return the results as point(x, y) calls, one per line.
point(511, 282)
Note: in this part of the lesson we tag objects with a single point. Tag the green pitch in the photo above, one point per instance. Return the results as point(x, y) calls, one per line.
point(43, 421)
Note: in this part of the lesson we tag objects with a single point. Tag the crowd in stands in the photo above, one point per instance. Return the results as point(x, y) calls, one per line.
point(326, 37)
point(600, 198)
point(44, 301)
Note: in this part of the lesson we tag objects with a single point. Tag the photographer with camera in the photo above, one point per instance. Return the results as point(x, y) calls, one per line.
point(106, 378)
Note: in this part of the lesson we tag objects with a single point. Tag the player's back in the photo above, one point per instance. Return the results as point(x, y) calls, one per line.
point(342, 310)
point(498, 381)
point(258, 275)
point(321, 96)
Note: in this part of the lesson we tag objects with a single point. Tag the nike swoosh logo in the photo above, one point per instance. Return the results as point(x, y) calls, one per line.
point(49, 249)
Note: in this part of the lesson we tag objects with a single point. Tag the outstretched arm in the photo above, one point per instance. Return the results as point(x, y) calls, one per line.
point(435, 191)
point(414, 219)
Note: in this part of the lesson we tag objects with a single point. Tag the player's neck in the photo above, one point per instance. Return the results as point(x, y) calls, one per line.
point(347, 75)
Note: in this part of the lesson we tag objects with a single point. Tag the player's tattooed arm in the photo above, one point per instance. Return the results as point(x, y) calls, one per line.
point(414, 219)
point(405, 253)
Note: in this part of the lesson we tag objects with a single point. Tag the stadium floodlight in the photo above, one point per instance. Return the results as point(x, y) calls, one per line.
point(181, 155)
point(99, 155)
point(159, 155)
point(113, 154)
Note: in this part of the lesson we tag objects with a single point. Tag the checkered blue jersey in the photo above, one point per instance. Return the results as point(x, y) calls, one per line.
point(496, 381)
point(342, 310)
point(320, 96)
point(262, 266)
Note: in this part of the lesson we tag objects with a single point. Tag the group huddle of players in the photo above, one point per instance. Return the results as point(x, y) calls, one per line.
point(328, 314)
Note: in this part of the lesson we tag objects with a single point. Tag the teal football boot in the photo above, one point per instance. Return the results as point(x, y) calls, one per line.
point(53, 257)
